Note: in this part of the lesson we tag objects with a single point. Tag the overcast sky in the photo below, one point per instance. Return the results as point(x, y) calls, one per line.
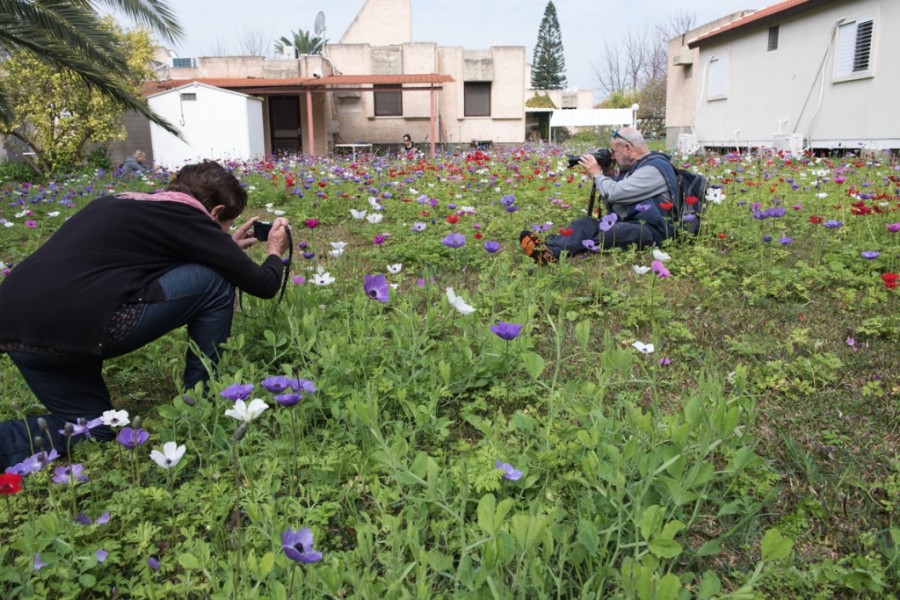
point(473, 24)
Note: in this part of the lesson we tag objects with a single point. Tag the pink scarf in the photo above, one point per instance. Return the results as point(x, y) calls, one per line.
point(179, 197)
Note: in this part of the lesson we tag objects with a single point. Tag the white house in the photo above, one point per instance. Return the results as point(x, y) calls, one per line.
point(215, 122)
point(817, 74)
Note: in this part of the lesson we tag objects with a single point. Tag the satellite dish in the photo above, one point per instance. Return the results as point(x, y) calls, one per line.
point(319, 27)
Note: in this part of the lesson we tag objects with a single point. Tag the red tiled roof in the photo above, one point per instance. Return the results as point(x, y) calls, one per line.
point(257, 83)
point(771, 13)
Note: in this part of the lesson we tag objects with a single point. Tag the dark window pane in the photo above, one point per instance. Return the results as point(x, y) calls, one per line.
point(478, 99)
point(773, 38)
point(863, 46)
point(388, 103)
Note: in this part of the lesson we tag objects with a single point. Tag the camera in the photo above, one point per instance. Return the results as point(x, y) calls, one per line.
point(261, 230)
point(603, 157)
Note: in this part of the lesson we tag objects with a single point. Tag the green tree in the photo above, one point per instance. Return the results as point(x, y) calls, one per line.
point(548, 71)
point(304, 41)
point(69, 35)
point(56, 115)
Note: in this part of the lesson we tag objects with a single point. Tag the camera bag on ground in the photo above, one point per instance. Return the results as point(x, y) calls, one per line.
point(690, 200)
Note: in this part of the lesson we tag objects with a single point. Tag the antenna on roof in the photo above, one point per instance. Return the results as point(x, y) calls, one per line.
point(319, 27)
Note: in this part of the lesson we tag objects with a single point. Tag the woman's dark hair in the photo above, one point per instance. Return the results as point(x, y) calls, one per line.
point(211, 184)
point(406, 136)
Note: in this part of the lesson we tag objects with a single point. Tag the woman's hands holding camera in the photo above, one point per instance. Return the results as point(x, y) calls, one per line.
point(279, 241)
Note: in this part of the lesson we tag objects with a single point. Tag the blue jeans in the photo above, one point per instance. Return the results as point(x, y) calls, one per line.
point(72, 386)
point(620, 235)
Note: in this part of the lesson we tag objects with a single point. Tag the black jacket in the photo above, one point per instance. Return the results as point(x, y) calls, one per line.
point(109, 253)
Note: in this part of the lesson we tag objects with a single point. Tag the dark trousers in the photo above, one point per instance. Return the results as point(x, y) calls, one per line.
point(72, 386)
point(620, 235)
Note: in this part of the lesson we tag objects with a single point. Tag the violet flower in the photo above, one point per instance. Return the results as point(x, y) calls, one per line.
point(491, 246)
point(276, 384)
point(132, 438)
point(298, 546)
point(870, 254)
point(507, 331)
point(237, 391)
point(454, 240)
point(376, 287)
point(69, 474)
point(509, 472)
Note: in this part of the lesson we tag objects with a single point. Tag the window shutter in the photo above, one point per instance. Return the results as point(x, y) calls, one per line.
point(854, 49)
point(717, 70)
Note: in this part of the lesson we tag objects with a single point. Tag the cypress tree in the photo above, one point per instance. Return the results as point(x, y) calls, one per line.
point(548, 69)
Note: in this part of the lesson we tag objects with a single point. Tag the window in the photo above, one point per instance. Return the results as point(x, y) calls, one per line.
point(773, 38)
point(477, 98)
point(388, 101)
point(854, 49)
point(188, 96)
point(183, 63)
point(718, 66)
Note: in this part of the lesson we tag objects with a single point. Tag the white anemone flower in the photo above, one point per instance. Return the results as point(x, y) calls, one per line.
point(246, 412)
point(660, 255)
point(170, 456)
point(458, 303)
point(643, 348)
point(358, 214)
point(322, 279)
point(395, 268)
point(640, 270)
point(115, 418)
point(374, 218)
point(374, 203)
point(338, 248)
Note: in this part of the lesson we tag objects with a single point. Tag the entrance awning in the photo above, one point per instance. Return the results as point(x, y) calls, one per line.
point(263, 86)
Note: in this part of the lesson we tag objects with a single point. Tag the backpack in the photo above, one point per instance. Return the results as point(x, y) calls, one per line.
point(690, 201)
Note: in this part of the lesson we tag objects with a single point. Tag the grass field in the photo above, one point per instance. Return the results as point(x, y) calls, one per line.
point(751, 453)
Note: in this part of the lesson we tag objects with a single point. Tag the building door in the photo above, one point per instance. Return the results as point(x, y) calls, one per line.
point(284, 123)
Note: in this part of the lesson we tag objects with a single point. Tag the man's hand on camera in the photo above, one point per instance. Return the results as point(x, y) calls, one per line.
point(589, 164)
point(279, 241)
point(243, 235)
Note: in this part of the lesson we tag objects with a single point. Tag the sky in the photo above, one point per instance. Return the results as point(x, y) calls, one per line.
point(585, 25)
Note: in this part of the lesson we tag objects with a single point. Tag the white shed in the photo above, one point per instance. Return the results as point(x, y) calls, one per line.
point(216, 124)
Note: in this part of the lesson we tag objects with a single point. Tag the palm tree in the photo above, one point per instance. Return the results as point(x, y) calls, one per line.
point(67, 34)
point(303, 41)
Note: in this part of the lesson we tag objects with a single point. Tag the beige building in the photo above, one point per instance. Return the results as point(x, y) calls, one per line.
point(818, 74)
point(371, 87)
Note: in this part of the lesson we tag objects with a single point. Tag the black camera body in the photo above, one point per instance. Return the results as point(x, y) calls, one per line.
point(261, 230)
point(603, 157)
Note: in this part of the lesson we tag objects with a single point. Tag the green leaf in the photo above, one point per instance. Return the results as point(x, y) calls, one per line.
point(277, 591)
point(486, 507)
point(664, 548)
point(651, 521)
point(534, 364)
point(668, 587)
point(189, 561)
point(709, 586)
point(266, 564)
point(775, 546)
point(710, 548)
point(583, 334)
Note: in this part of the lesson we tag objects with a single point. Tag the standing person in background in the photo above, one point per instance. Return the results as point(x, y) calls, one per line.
point(120, 273)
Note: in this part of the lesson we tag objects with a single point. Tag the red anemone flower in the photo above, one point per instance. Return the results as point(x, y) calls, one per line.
point(10, 483)
point(666, 205)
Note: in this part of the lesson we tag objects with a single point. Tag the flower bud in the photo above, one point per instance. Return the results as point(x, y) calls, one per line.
point(38, 441)
point(42, 423)
point(136, 422)
point(69, 429)
point(188, 400)
point(240, 432)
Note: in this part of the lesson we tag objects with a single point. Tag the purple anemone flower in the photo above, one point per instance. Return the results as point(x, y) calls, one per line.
point(786, 241)
point(237, 391)
point(298, 546)
point(132, 438)
point(608, 220)
point(454, 240)
point(832, 224)
point(507, 331)
point(101, 555)
point(509, 472)
point(288, 399)
point(870, 254)
point(304, 386)
point(276, 383)
point(491, 246)
point(590, 245)
point(376, 287)
point(69, 474)
point(893, 227)
point(33, 463)
point(38, 564)
point(660, 269)
point(81, 427)
point(642, 207)
point(153, 563)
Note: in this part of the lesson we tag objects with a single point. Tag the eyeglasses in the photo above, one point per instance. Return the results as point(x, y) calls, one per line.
point(616, 134)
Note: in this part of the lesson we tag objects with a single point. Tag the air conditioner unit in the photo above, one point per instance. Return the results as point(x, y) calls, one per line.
point(788, 142)
point(684, 58)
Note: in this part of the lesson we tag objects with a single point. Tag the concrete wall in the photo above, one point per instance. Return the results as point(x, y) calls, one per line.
point(683, 66)
point(202, 120)
point(765, 88)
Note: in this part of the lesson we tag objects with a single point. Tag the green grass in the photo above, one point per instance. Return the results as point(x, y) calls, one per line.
point(761, 462)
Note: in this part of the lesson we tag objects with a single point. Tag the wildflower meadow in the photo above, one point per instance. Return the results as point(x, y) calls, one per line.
point(427, 413)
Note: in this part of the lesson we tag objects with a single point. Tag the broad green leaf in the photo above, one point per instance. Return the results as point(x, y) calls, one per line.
point(534, 364)
point(87, 580)
point(189, 561)
point(583, 334)
point(664, 548)
point(486, 507)
point(668, 587)
point(266, 564)
point(775, 546)
point(709, 586)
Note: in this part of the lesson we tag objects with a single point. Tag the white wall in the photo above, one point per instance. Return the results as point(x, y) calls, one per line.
point(219, 124)
point(763, 88)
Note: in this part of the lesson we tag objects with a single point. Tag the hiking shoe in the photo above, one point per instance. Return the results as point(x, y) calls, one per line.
point(533, 247)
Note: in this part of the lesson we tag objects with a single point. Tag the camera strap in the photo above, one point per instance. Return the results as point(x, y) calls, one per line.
point(286, 275)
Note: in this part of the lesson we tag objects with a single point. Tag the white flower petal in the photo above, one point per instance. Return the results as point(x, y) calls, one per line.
point(660, 255)
point(640, 270)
